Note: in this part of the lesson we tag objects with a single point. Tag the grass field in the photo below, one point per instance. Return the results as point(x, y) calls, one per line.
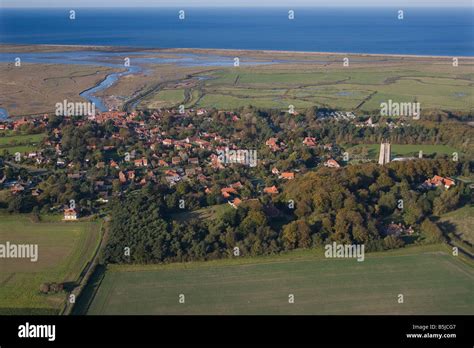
point(431, 281)
point(461, 222)
point(63, 251)
point(20, 143)
point(403, 150)
point(358, 88)
point(166, 98)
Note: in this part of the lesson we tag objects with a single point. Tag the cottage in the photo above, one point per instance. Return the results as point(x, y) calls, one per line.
point(309, 141)
point(439, 181)
point(70, 214)
point(272, 190)
point(331, 163)
point(272, 143)
point(228, 191)
point(287, 175)
point(235, 203)
point(237, 185)
point(142, 162)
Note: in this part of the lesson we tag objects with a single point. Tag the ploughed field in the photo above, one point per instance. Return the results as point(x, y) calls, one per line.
point(431, 280)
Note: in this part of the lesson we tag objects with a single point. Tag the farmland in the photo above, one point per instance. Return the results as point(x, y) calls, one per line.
point(431, 281)
point(462, 222)
point(20, 143)
point(64, 249)
point(372, 150)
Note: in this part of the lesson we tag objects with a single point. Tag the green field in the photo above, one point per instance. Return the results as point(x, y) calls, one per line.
point(431, 281)
point(461, 221)
point(403, 150)
point(166, 98)
point(20, 143)
point(353, 89)
point(64, 250)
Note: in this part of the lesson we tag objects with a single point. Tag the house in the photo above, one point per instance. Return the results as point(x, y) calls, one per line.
point(176, 160)
point(237, 185)
point(193, 160)
point(163, 163)
point(272, 190)
point(397, 229)
point(17, 188)
point(327, 147)
point(438, 181)
point(309, 141)
point(114, 164)
point(170, 172)
point(235, 203)
point(142, 162)
point(228, 191)
point(331, 163)
point(203, 144)
point(272, 143)
point(131, 175)
point(190, 171)
point(122, 177)
point(172, 179)
point(168, 142)
point(70, 214)
point(275, 171)
point(201, 112)
point(287, 176)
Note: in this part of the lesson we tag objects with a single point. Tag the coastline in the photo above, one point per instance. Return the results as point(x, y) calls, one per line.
point(5, 47)
point(284, 59)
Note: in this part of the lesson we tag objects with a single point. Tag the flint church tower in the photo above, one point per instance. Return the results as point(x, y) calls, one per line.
point(384, 156)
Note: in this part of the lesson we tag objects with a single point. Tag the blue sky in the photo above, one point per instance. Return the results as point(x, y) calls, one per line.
point(234, 3)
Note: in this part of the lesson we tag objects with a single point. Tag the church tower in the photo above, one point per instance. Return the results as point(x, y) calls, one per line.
point(384, 156)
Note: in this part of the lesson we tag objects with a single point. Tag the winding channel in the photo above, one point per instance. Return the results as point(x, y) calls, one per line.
point(139, 60)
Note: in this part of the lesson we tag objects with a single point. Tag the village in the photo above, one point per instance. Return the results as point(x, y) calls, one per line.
point(129, 150)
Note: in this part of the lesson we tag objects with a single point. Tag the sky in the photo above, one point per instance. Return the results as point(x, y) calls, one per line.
point(235, 3)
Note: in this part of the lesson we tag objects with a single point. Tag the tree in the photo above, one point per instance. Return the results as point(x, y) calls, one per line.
point(44, 288)
point(431, 232)
point(290, 235)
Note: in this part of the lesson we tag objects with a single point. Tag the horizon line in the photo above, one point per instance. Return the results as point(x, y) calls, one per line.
point(244, 7)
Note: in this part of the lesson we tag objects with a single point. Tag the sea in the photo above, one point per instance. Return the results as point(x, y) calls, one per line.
point(422, 31)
